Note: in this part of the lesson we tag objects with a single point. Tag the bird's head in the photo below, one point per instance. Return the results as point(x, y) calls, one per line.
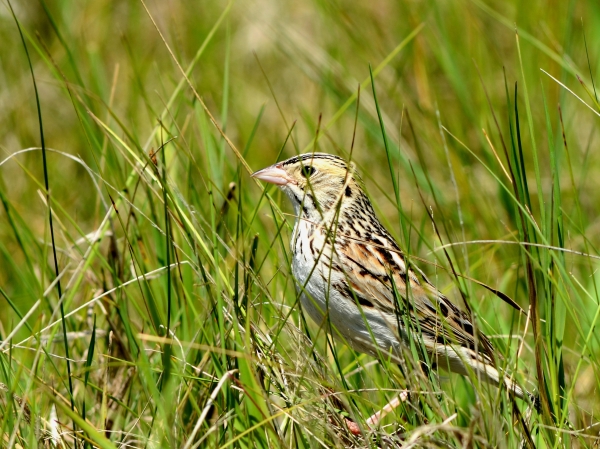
point(316, 183)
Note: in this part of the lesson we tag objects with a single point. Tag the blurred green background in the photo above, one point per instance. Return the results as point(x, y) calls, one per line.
point(447, 74)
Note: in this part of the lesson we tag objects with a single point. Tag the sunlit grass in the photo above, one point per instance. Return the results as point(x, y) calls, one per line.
point(182, 320)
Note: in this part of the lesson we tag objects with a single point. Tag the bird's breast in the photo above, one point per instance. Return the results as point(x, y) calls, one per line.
point(315, 267)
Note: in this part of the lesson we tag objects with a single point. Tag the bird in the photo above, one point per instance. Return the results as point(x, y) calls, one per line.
point(353, 276)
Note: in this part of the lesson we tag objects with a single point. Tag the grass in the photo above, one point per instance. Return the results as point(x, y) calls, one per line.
point(126, 169)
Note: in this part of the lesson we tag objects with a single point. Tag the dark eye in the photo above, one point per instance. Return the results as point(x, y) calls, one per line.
point(308, 170)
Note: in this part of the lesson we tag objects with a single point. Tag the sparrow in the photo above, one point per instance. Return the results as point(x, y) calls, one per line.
point(352, 275)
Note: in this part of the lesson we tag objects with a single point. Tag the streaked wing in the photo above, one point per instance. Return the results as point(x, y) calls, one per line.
point(378, 284)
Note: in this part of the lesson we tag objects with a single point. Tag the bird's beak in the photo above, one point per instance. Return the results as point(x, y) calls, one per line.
point(275, 175)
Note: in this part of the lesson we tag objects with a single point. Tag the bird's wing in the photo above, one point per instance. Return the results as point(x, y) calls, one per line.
point(376, 275)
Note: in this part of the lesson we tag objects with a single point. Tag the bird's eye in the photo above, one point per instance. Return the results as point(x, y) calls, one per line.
point(308, 170)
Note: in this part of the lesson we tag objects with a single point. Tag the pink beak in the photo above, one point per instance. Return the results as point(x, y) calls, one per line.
point(275, 175)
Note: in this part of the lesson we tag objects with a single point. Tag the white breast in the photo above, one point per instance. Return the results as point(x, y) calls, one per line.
point(314, 278)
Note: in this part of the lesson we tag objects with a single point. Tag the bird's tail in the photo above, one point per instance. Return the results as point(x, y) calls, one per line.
point(482, 367)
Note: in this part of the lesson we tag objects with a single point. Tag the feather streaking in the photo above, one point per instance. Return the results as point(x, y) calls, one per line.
point(349, 267)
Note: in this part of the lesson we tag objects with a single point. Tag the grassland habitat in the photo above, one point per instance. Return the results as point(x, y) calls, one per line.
point(146, 294)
